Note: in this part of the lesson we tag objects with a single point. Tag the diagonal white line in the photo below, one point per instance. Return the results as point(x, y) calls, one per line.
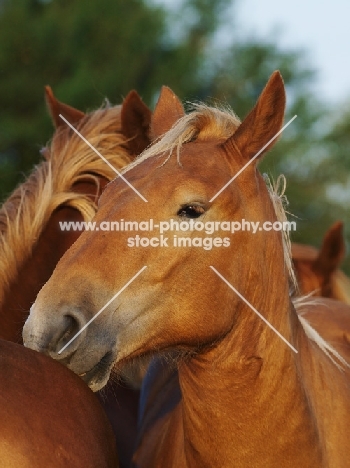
point(254, 309)
point(104, 159)
point(103, 308)
point(251, 160)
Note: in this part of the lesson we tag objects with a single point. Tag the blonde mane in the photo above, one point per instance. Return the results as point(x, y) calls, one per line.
point(301, 303)
point(280, 202)
point(68, 160)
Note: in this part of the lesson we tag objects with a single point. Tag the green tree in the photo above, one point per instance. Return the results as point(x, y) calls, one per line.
point(91, 50)
point(87, 51)
point(84, 50)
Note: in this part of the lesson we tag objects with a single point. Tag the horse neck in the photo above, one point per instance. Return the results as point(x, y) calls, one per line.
point(237, 394)
point(235, 408)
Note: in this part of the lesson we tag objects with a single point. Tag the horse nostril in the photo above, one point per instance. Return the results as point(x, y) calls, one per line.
point(71, 327)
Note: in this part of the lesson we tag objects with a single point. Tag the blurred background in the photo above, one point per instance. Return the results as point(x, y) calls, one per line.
point(213, 51)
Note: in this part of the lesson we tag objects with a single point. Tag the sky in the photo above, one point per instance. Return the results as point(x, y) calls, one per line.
point(319, 27)
point(322, 29)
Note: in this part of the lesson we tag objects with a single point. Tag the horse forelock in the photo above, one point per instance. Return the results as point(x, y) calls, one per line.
point(68, 160)
point(203, 123)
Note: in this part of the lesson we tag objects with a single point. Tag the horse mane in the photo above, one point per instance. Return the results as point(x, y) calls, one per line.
point(68, 160)
point(301, 303)
point(280, 202)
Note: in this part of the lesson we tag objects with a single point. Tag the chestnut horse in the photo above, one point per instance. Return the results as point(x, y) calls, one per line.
point(240, 396)
point(65, 188)
point(318, 271)
point(49, 417)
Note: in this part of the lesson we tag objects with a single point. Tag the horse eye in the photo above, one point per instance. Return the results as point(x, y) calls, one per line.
point(191, 211)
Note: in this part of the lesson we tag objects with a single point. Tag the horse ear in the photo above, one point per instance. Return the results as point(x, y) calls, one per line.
point(167, 112)
point(135, 121)
point(56, 108)
point(264, 120)
point(332, 251)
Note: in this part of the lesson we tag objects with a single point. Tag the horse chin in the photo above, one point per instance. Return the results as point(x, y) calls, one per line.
point(97, 377)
